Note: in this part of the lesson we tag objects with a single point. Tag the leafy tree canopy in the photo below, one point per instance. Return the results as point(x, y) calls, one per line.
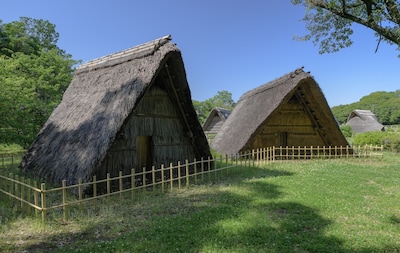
point(34, 73)
point(223, 99)
point(385, 105)
point(329, 22)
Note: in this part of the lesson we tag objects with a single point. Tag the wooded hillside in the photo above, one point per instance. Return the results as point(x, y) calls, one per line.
point(385, 105)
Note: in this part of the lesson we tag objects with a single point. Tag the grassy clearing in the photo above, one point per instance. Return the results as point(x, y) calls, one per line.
point(10, 149)
point(306, 206)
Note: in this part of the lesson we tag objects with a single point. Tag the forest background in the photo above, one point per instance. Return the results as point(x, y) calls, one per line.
point(35, 72)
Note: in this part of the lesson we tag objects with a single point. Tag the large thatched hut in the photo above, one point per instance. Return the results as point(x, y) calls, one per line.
point(214, 121)
point(288, 111)
point(364, 121)
point(131, 109)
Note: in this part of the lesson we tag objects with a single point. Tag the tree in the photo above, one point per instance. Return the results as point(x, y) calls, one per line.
point(330, 21)
point(385, 105)
point(223, 99)
point(34, 73)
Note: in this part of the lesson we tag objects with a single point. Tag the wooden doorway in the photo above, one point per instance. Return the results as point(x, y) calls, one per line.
point(283, 139)
point(144, 152)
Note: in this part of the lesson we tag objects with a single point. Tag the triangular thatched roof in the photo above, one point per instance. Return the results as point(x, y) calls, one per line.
point(215, 119)
point(364, 121)
point(263, 113)
point(100, 99)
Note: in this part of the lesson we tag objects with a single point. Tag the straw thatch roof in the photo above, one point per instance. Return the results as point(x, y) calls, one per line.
point(215, 120)
point(364, 121)
point(102, 99)
point(288, 111)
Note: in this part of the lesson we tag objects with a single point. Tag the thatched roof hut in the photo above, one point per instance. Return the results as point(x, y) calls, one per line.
point(131, 109)
point(288, 111)
point(364, 121)
point(215, 120)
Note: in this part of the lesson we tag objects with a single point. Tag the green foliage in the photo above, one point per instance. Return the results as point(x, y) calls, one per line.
point(336, 205)
point(390, 140)
point(346, 130)
point(34, 73)
point(330, 22)
point(10, 149)
point(223, 99)
point(385, 105)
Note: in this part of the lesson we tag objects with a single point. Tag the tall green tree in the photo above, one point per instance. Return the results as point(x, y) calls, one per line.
point(222, 99)
point(329, 22)
point(34, 73)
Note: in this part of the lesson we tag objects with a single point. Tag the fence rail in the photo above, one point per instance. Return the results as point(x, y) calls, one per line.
point(28, 196)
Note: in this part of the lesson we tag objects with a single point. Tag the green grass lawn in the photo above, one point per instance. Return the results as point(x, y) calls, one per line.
point(304, 206)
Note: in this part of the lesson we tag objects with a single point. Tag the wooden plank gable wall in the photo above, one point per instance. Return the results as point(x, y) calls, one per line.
point(157, 122)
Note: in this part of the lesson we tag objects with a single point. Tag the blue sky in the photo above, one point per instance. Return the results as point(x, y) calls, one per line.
point(234, 45)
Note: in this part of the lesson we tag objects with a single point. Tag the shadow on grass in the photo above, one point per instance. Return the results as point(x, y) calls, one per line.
point(242, 214)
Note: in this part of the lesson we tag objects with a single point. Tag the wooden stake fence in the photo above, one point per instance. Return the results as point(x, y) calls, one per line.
point(24, 194)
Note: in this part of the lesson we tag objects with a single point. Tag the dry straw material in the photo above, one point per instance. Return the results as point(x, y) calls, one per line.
point(288, 111)
point(131, 109)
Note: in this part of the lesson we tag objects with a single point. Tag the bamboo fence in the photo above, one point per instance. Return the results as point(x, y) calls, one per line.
point(27, 196)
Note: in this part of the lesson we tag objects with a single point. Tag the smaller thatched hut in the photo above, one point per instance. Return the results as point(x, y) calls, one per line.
point(364, 121)
point(131, 109)
point(214, 121)
point(288, 111)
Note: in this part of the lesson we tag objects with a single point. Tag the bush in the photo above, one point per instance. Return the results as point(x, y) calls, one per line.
point(346, 130)
point(390, 140)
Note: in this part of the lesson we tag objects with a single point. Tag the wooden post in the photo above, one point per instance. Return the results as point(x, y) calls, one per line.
point(43, 200)
point(28, 194)
point(108, 187)
point(80, 194)
point(22, 190)
point(287, 153)
point(64, 199)
point(187, 173)
point(133, 184)
point(171, 176)
point(36, 199)
point(220, 165)
point(94, 191)
point(153, 177)
point(16, 191)
point(209, 168)
point(11, 189)
point(226, 164)
point(253, 157)
point(215, 168)
point(179, 175)
point(195, 170)
point(162, 178)
point(121, 187)
point(202, 169)
point(144, 178)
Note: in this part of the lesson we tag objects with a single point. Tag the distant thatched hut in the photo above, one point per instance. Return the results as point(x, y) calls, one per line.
point(131, 109)
point(289, 111)
point(364, 121)
point(214, 121)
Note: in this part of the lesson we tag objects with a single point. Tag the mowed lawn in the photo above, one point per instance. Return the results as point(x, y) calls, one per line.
point(335, 205)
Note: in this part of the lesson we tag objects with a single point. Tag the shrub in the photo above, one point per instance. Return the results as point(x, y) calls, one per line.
point(390, 140)
point(346, 130)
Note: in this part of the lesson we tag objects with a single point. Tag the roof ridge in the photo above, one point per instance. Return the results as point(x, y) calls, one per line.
point(149, 47)
point(273, 83)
